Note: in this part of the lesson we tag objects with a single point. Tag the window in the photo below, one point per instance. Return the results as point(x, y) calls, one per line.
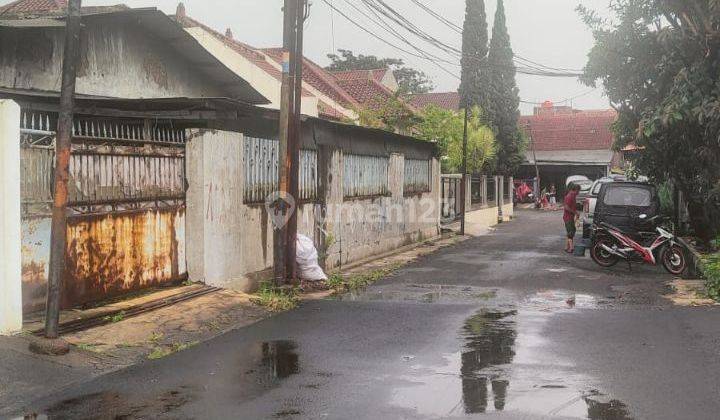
point(365, 176)
point(417, 176)
point(628, 196)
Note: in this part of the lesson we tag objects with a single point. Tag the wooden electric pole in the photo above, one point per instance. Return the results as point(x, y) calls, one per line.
point(285, 134)
point(58, 235)
point(294, 140)
point(463, 185)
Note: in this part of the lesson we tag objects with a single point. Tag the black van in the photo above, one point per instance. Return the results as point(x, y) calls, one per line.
point(621, 203)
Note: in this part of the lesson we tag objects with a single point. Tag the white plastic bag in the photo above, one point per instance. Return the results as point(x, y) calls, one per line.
point(307, 260)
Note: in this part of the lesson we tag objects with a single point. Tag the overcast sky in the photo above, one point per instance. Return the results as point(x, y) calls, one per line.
point(545, 31)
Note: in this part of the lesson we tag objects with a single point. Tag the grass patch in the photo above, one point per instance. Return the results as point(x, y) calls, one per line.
point(275, 299)
point(91, 347)
point(358, 281)
point(155, 337)
point(160, 352)
point(115, 318)
point(710, 267)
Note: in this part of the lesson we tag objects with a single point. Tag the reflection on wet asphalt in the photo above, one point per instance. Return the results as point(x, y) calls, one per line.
point(490, 338)
point(500, 367)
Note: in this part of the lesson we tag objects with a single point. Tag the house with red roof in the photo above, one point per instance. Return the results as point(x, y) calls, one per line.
point(566, 141)
point(445, 100)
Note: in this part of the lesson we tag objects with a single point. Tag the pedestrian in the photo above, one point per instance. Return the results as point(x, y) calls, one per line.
point(570, 216)
point(553, 196)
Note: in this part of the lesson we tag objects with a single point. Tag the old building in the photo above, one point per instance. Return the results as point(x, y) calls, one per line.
point(171, 165)
point(568, 142)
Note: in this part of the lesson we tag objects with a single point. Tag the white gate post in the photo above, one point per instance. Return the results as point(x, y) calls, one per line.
point(10, 224)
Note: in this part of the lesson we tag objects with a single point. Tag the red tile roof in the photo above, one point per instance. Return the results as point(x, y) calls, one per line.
point(377, 74)
point(32, 6)
point(580, 130)
point(319, 78)
point(447, 100)
point(241, 48)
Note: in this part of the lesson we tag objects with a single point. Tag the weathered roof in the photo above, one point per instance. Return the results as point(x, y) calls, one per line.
point(446, 100)
point(571, 157)
point(32, 6)
point(161, 27)
point(580, 130)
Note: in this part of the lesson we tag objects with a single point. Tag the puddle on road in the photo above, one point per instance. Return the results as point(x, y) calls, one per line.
point(264, 365)
point(501, 368)
point(422, 293)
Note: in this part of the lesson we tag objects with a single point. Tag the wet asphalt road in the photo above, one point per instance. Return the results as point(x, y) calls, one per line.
point(480, 329)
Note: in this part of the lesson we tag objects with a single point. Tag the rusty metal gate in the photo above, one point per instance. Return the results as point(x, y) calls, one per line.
point(126, 216)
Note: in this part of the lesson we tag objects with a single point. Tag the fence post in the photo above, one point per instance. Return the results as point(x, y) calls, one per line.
point(501, 196)
point(10, 230)
point(483, 191)
point(468, 194)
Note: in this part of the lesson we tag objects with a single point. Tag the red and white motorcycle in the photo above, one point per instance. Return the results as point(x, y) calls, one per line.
point(611, 245)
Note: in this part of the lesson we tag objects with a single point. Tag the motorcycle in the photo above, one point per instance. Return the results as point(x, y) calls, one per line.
point(611, 245)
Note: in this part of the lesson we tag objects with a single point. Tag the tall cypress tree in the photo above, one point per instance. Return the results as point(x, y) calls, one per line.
point(473, 83)
point(503, 105)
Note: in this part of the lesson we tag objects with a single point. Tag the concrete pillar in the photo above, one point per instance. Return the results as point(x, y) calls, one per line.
point(501, 196)
point(328, 211)
point(483, 189)
point(10, 224)
point(468, 195)
point(214, 222)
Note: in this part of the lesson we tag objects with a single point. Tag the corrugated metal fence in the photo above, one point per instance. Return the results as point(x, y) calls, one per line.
point(365, 176)
point(127, 206)
point(261, 160)
point(418, 177)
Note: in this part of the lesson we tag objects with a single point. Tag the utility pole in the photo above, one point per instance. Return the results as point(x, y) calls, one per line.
point(58, 235)
point(294, 140)
point(285, 134)
point(463, 185)
point(536, 189)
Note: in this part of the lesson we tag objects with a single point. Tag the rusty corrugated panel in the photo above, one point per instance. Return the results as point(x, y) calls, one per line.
point(113, 254)
point(365, 176)
point(417, 176)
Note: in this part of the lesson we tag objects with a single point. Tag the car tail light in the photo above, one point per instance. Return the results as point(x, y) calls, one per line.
point(586, 205)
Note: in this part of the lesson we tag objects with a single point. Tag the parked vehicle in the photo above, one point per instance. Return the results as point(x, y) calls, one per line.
point(574, 179)
point(611, 245)
point(620, 203)
point(591, 199)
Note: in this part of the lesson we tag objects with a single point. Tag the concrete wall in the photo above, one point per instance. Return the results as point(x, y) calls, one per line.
point(10, 259)
point(117, 59)
point(230, 243)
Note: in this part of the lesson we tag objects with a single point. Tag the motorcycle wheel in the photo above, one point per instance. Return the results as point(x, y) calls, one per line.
point(674, 261)
point(601, 256)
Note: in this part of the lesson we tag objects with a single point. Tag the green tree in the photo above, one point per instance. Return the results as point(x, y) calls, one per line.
point(473, 83)
point(410, 80)
point(446, 127)
point(659, 61)
point(503, 105)
point(391, 114)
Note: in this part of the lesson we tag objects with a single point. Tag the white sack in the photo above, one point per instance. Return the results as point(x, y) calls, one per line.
point(307, 260)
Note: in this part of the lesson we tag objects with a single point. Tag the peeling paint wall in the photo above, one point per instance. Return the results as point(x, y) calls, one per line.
point(117, 59)
point(230, 242)
point(10, 267)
